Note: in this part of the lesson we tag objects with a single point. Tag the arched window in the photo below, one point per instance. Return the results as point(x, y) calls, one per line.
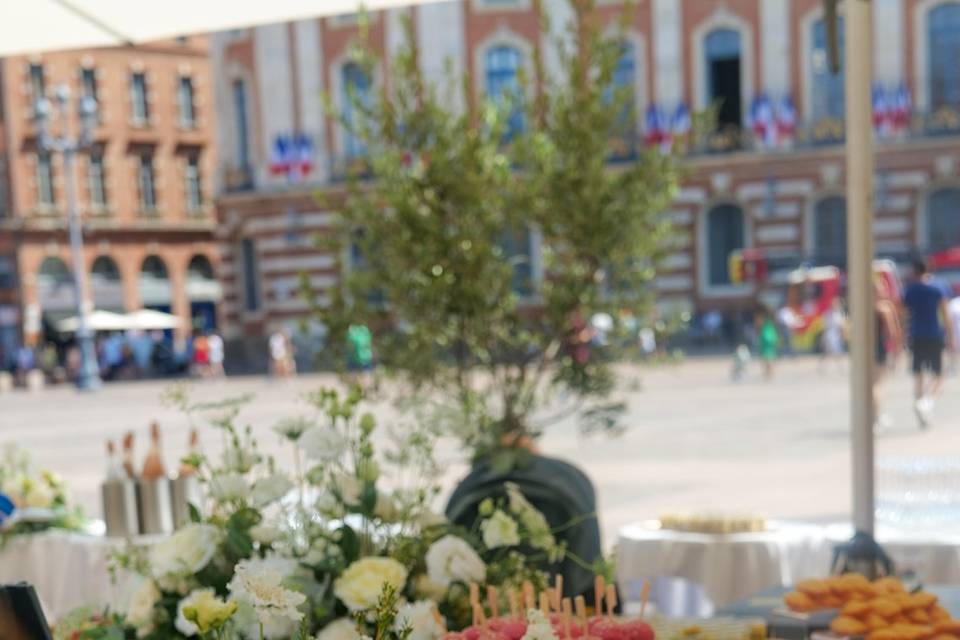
point(199, 268)
point(355, 85)
point(106, 286)
point(830, 231)
point(155, 290)
point(943, 38)
point(722, 49)
point(502, 71)
point(943, 219)
point(726, 233)
point(55, 286)
point(826, 89)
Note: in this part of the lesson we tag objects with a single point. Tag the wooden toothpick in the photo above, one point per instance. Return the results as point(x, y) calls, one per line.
point(545, 602)
point(581, 605)
point(514, 601)
point(644, 597)
point(567, 617)
point(438, 618)
point(492, 602)
point(599, 584)
point(611, 599)
point(557, 591)
point(529, 598)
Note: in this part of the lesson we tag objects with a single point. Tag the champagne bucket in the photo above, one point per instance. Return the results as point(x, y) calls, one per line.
point(156, 511)
point(120, 508)
point(184, 491)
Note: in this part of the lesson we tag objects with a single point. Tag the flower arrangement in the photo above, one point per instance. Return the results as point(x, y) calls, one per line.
point(272, 555)
point(39, 497)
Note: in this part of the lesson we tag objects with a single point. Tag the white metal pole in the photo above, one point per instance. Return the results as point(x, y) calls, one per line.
point(859, 132)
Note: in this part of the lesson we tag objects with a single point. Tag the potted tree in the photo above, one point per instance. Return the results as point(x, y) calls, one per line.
point(489, 340)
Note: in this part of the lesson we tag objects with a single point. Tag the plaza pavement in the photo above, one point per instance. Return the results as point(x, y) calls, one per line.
point(694, 440)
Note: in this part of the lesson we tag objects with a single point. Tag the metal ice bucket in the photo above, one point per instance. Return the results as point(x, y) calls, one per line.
point(156, 509)
point(184, 491)
point(120, 508)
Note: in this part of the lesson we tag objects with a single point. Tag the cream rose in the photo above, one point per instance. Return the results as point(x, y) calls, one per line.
point(360, 585)
point(201, 611)
point(138, 610)
point(451, 559)
point(500, 530)
point(185, 552)
point(418, 616)
point(340, 629)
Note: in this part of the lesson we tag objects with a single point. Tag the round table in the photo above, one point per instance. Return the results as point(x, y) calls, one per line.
point(721, 569)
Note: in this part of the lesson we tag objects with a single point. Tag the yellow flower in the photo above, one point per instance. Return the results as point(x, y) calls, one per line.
point(206, 611)
point(360, 585)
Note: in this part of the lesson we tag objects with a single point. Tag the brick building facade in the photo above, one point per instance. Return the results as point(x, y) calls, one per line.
point(144, 189)
point(785, 195)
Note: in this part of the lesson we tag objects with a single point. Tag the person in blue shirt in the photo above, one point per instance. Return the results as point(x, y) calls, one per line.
point(929, 332)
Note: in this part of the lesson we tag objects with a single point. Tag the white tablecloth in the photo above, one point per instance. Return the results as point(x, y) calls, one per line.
point(732, 567)
point(68, 570)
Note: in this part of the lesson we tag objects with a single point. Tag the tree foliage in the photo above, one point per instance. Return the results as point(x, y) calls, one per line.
point(446, 199)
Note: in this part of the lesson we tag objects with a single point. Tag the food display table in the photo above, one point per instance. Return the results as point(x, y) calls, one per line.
point(728, 568)
point(68, 570)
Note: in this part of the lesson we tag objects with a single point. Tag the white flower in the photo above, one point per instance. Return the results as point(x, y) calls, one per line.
point(360, 585)
point(340, 629)
point(273, 561)
point(323, 444)
point(538, 627)
point(229, 486)
point(531, 518)
point(500, 530)
point(257, 587)
point(419, 617)
point(185, 552)
point(386, 507)
point(138, 609)
point(451, 559)
point(328, 505)
point(348, 487)
point(426, 588)
point(320, 551)
point(270, 489)
point(264, 533)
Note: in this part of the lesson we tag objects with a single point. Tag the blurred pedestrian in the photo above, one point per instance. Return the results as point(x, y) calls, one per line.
point(360, 354)
point(201, 355)
point(282, 363)
point(768, 337)
point(930, 330)
point(888, 343)
point(832, 335)
point(215, 349)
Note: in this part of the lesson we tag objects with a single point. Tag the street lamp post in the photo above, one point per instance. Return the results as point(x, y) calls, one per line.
point(88, 378)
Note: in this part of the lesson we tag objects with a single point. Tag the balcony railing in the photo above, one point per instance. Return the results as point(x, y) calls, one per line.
point(237, 179)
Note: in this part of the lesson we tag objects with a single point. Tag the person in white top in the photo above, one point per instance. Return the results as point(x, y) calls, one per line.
point(278, 354)
point(215, 354)
point(953, 309)
point(832, 336)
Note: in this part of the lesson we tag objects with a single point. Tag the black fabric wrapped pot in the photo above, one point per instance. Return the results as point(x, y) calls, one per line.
point(564, 495)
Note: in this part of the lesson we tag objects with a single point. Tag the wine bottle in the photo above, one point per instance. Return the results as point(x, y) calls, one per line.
point(186, 465)
point(128, 467)
point(153, 463)
point(115, 470)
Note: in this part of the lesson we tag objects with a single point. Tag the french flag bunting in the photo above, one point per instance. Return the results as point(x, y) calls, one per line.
point(654, 130)
point(786, 118)
point(681, 121)
point(304, 156)
point(902, 108)
point(882, 115)
point(280, 156)
point(763, 122)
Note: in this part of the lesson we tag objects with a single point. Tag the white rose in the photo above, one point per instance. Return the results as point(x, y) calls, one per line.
point(270, 489)
point(185, 552)
point(340, 629)
point(264, 533)
point(323, 444)
point(451, 559)
point(359, 587)
point(264, 601)
point(138, 609)
point(227, 487)
point(419, 617)
point(386, 507)
point(348, 487)
point(500, 530)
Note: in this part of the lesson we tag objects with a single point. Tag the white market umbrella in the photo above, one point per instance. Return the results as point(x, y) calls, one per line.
point(150, 319)
point(39, 25)
point(97, 320)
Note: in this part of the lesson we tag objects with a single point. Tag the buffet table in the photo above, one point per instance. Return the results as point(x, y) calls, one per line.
point(730, 567)
point(68, 570)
